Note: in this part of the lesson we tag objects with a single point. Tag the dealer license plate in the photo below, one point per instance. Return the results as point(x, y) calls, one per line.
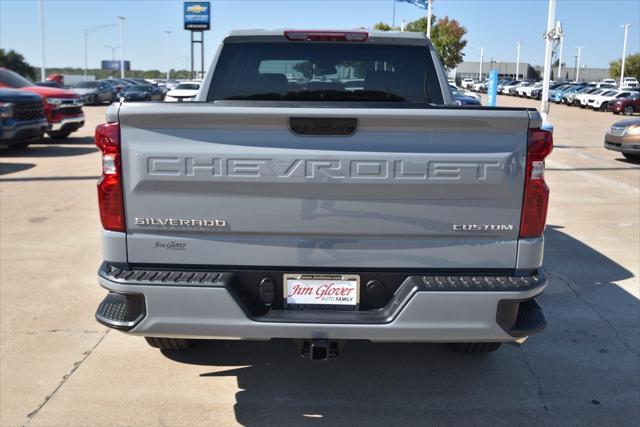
point(321, 291)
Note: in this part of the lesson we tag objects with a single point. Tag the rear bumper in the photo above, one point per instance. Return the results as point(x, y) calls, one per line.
point(622, 144)
point(22, 131)
point(420, 310)
point(68, 124)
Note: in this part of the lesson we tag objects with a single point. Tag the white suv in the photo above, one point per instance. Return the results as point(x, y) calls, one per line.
point(467, 83)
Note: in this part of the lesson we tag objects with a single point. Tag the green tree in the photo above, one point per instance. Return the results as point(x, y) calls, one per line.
point(447, 36)
point(631, 67)
point(383, 26)
point(13, 61)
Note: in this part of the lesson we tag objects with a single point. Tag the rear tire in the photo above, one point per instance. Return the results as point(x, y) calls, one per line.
point(604, 106)
point(474, 347)
point(169, 343)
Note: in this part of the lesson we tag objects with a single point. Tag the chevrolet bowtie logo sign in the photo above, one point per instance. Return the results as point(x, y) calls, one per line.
point(197, 8)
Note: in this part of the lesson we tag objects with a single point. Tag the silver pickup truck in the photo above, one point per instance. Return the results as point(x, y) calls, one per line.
point(323, 187)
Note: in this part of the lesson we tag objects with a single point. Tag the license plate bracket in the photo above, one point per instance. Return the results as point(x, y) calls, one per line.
point(309, 291)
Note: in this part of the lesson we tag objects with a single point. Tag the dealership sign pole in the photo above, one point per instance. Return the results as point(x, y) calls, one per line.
point(550, 35)
point(197, 19)
point(624, 53)
point(518, 60)
point(121, 18)
point(41, 19)
point(168, 56)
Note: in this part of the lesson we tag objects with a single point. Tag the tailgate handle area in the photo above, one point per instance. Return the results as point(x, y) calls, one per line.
point(323, 126)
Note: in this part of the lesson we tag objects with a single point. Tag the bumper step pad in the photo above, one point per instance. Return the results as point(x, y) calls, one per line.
point(164, 277)
point(121, 311)
point(479, 283)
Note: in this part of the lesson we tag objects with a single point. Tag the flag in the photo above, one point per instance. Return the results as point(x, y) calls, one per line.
point(420, 3)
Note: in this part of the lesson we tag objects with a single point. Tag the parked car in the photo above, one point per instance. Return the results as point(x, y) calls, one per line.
point(568, 94)
point(630, 83)
point(582, 98)
point(462, 99)
point(601, 102)
point(22, 118)
point(480, 86)
point(95, 92)
point(464, 92)
point(512, 90)
point(553, 89)
point(507, 87)
point(504, 83)
point(155, 92)
point(624, 137)
point(525, 91)
point(602, 85)
point(63, 108)
point(466, 83)
point(628, 105)
point(117, 85)
point(140, 93)
point(268, 211)
point(50, 83)
point(610, 82)
point(185, 91)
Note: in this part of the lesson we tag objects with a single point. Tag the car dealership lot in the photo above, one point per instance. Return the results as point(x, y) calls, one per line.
point(59, 367)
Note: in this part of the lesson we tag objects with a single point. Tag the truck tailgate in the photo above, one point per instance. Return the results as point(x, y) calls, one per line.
point(428, 188)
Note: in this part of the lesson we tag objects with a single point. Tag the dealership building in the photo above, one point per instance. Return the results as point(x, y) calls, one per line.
point(471, 70)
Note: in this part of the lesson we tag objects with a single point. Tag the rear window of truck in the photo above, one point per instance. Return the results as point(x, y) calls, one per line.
point(317, 71)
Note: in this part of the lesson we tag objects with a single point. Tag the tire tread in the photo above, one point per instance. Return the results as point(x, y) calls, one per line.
point(168, 343)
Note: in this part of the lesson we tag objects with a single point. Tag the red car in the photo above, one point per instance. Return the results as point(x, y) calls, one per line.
point(63, 108)
point(628, 105)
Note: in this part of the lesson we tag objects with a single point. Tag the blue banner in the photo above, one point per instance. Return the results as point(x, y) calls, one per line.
point(492, 88)
point(420, 3)
point(114, 65)
point(197, 15)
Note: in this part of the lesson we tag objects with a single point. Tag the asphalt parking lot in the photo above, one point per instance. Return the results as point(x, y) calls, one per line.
point(58, 367)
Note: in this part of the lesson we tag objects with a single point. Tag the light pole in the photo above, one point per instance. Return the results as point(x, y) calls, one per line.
point(624, 52)
point(561, 35)
point(168, 60)
point(121, 18)
point(41, 19)
point(481, 59)
point(578, 63)
point(518, 60)
point(113, 51)
point(88, 31)
point(429, 14)
point(186, 62)
point(550, 35)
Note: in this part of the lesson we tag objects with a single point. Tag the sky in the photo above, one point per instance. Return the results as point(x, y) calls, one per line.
point(493, 24)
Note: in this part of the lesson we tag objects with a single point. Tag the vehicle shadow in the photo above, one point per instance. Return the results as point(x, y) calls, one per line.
point(70, 140)
point(7, 168)
point(579, 371)
point(629, 161)
point(50, 150)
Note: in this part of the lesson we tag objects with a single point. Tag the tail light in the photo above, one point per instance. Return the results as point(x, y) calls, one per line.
point(110, 197)
point(536, 192)
point(327, 36)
